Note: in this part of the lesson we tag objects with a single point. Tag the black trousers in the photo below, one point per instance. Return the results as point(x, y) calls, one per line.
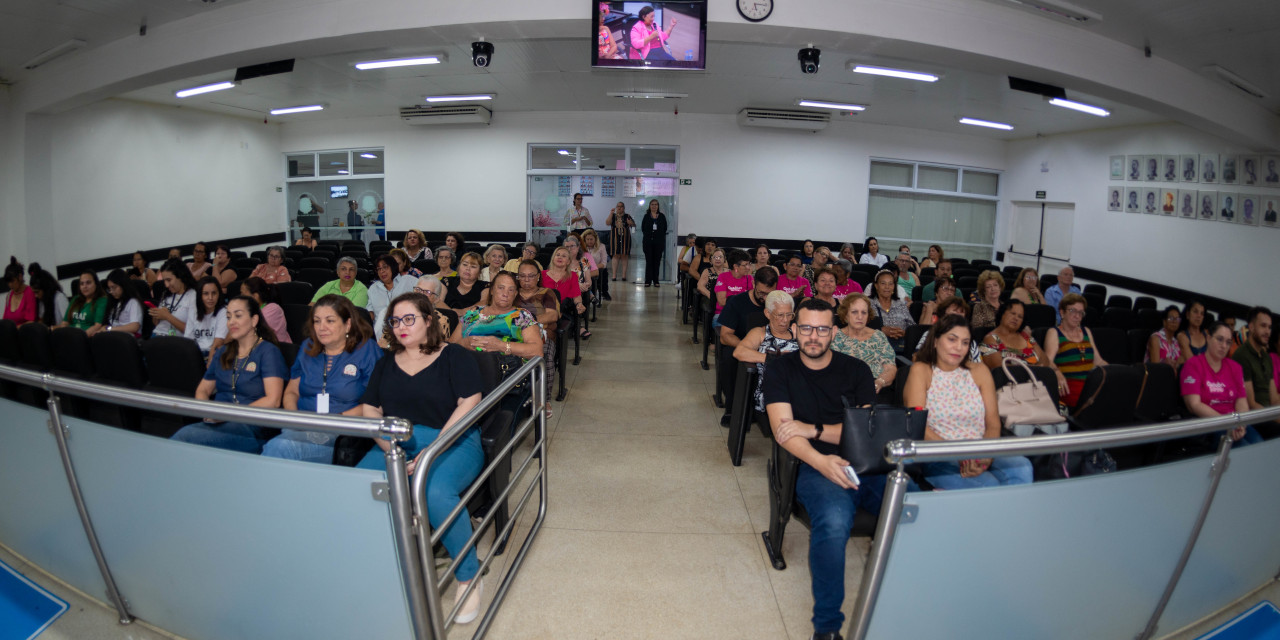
point(652, 260)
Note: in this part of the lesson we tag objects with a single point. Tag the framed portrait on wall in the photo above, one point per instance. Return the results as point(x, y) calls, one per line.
point(1187, 203)
point(1228, 206)
point(1131, 204)
point(1229, 174)
point(1209, 168)
point(1169, 168)
point(1150, 201)
point(1168, 201)
point(1133, 168)
point(1151, 170)
point(1249, 170)
point(1269, 204)
point(1113, 197)
point(1249, 209)
point(1189, 168)
point(1269, 168)
point(1117, 167)
point(1207, 208)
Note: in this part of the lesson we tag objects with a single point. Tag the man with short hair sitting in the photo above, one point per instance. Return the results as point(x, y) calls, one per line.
point(1259, 371)
point(1066, 276)
point(733, 325)
point(802, 395)
point(943, 270)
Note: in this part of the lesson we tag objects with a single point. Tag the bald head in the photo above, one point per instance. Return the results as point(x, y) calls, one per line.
point(1066, 276)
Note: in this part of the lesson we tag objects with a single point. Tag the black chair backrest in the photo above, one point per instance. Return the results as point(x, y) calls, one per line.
point(967, 282)
point(246, 263)
point(1038, 333)
point(316, 277)
point(71, 354)
point(295, 320)
point(1108, 397)
point(141, 288)
point(364, 277)
point(1138, 344)
point(294, 254)
point(1045, 375)
point(1124, 302)
point(1100, 289)
point(1149, 319)
point(9, 353)
point(1112, 344)
point(912, 338)
point(315, 262)
point(295, 292)
point(755, 319)
point(927, 272)
point(117, 359)
point(174, 364)
point(427, 267)
point(1039, 315)
point(916, 309)
point(290, 352)
point(1119, 318)
point(34, 348)
point(1144, 302)
point(260, 256)
point(1160, 396)
point(1047, 280)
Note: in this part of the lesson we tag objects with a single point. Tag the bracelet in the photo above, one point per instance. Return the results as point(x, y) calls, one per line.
point(508, 348)
point(817, 436)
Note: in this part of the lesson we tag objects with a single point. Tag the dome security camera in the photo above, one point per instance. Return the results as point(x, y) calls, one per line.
point(809, 60)
point(481, 53)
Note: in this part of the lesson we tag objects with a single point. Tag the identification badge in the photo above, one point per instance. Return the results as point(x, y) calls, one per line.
point(322, 403)
point(351, 370)
point(252, 366)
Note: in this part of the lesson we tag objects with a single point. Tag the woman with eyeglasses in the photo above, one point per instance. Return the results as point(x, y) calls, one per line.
point(1027, 287)
point(960, 396)
point(329, 376)
point(821, 259)
point(1213, 384)
point(773, 339)
point(500, 326)
point(273, 270)
point(527, 252)
point(894, 312)
point(1068, 348)
point(199, 265)
point(708, 277)
point(990, 286)
point(248, 369)
point(862, 342)
point(388, 287)
point(444, 262)
point(433, 384)
point(544, 304)
point(178, 305)
point(1163, 346)
point(124, 309)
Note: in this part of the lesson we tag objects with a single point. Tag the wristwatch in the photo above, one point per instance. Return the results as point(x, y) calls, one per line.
point(818, 433)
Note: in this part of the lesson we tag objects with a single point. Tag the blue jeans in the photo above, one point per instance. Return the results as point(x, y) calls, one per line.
point(449, 477)
point(831, 511)
point(1010, 470)
point(1251, 436)
point(235, 436)
point(308, 446)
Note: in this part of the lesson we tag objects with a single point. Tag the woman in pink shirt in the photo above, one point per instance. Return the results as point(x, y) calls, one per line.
point(273, 271)
point(558, 277)
point(647, 41)
point(20, 303)
point(734, 281)
point(1213, 384)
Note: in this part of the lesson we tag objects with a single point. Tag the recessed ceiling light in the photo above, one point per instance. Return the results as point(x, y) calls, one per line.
point(286, 110)
point(461, 98)
point(401, 62)
point(208, 88)
point(1079, 106)
point(986, 123)
point(893, 73)
point(369, 155)
point(645, 95)
point(838, 106)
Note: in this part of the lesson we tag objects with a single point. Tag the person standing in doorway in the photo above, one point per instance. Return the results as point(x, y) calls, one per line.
point(354, 220)
point(653, 228)
point(621, 225)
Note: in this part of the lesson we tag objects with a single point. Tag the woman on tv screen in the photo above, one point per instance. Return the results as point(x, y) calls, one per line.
point(648, 42)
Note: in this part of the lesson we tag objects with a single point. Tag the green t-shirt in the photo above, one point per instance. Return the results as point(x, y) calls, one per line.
point(1258, 372)
point(88, 314)
point(358, 295)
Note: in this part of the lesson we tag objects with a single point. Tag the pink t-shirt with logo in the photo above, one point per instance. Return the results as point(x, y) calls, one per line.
point(795, 285)
point(848, 288)
point(1219, 390)
point(731, 286)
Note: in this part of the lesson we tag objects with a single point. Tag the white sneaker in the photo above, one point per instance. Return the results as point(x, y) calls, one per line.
point(471, 609)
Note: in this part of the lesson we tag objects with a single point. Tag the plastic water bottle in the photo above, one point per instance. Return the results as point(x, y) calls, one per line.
point(688, 54)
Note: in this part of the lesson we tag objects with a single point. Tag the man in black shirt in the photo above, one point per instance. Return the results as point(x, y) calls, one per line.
point(802, 394)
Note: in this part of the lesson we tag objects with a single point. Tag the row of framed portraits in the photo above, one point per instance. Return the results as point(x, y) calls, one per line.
point(1225, 206)
point(1249, 171)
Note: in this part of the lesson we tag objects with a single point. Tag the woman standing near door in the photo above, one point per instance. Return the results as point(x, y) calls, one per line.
point(620, 225)
point(653, 228)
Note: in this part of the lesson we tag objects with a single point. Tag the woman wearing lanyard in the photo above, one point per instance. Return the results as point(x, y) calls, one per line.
point(248, 370)
point(432, 384)
point(329, 376)
point(179, 304)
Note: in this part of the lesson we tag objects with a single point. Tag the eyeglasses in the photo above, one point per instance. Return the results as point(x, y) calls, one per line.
point(408, 320)
point(527, 276)
point(1074, 312)
point(808, 329)
point(784, 316)
point(425, 292)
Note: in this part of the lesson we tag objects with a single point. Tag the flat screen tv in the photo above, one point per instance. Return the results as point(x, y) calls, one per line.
point(649, 35)
point(337, 191)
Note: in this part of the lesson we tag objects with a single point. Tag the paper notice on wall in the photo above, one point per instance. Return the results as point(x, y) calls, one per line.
point(664, 166)
point(607, 188)
point(564, 186)
point(656, 186)
point(621, 165)
point(629, 187)
point(587, 185)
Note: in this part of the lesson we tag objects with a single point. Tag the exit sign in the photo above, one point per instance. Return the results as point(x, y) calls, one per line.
point(1040, 195)
point(686, 182)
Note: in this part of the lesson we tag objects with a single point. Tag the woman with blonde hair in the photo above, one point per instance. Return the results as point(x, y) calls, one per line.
point(415, 245)
point(592, 247)
point(494, 257)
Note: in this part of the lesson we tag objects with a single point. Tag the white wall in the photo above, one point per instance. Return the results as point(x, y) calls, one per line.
point(746, 181)
point(1233, 262)
point(126, 176)
point(13, 229)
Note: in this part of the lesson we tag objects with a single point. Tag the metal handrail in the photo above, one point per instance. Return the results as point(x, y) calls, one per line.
point(908, 451)
point(392, 428)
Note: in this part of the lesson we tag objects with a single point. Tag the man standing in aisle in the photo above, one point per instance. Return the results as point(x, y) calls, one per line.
point(354, 220)
point(803, 392)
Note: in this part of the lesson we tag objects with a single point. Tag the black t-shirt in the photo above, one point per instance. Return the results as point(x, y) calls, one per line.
point(736, 311)
point(429, 397)
point(814, 395)
point(455, 299)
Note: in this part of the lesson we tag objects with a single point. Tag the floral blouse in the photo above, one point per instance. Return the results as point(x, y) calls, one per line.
point(1026, 354)
point(508, 326)
point(875, 351)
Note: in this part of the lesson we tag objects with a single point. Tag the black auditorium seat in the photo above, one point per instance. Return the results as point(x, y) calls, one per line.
point(315, 262)
point(117, 360)
point(295, 318)
point(1119, 318)
point(912, 338)
point(73, 359)
point(317, 278)
point(174, 367)
point(1040, 315)
point(1144, 302)
point(246, 263)
point(1100, 289)
point(1112, 344)
point(295, 292)
point(1137, 344)
point(1121, 301)
point(9, 355)
point(141, 288)
point(290, 352)
point(1149, 319)
point(35, 353)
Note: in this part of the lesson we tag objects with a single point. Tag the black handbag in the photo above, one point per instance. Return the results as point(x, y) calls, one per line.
point(866, 431)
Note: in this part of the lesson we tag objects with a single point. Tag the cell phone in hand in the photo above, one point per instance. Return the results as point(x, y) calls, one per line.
point(851, 475)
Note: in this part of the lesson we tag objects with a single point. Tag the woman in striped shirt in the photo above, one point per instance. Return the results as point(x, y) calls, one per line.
point(1069, 349)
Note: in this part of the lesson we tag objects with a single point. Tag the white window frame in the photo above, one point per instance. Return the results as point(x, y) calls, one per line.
point(958, 193)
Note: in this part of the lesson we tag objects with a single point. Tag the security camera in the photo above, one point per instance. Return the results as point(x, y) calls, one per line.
point(481, 53)
point(809, 60)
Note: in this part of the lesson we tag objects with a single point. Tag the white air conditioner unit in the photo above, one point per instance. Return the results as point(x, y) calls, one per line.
point(450, 114)
point(784, 119)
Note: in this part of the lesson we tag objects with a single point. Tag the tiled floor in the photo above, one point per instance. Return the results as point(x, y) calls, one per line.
point(651, 532)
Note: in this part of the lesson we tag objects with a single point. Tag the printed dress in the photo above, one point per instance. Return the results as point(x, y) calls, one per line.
point(771, 346)
point(955, 405)
point(875, 351)
point(508, 326)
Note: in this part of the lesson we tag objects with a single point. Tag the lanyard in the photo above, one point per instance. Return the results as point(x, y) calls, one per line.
point(324, 377)
point(176, 303)
point(236, 368)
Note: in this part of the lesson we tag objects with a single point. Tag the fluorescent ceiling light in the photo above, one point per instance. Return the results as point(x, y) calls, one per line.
point(286, 110)
point(208, 88)
point(461, 98)
point(401, 62)
point(1236, 81)
point(1080, 106)
point(645, 94)
point(893, 73)
point(49, 54)
point(563, 152)
point(369, 155)
point(838, 106)
point(343, 172)
point(986, 123)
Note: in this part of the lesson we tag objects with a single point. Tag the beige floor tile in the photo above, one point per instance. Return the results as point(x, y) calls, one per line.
point(640, 585)
point(642, 408)
point(602, 366)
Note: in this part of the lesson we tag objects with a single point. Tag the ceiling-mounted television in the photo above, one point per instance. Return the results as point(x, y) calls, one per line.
point(650, 35)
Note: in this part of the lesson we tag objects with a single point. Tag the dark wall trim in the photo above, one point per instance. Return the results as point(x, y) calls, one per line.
point(775, 244)
point(155, 256)
point(1216, 305)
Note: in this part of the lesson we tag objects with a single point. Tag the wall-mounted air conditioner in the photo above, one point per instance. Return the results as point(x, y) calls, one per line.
point(783, 119)
point(450, 114)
